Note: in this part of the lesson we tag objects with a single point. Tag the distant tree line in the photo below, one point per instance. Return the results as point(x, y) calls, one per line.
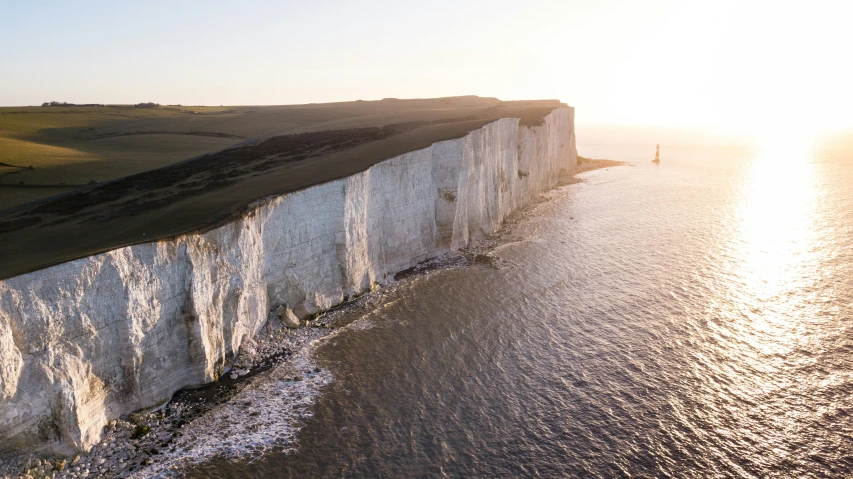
point(150, 104)
point(62, 103)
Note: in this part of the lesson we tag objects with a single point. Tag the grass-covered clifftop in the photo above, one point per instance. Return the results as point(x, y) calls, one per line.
point(63, 147)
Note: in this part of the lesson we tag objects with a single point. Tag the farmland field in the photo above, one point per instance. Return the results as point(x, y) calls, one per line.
point(56, 149)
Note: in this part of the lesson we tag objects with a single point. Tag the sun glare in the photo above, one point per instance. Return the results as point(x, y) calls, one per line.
point(784, 145)
point(775, 236)
point(777, 208)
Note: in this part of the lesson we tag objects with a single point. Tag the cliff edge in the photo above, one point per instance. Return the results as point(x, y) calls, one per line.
point(89, 340)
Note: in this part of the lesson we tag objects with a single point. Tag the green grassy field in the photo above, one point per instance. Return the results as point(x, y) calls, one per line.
point(155, 195)
point(62, 148)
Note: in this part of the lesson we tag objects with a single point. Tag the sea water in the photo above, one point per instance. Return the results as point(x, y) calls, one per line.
point(688, 319)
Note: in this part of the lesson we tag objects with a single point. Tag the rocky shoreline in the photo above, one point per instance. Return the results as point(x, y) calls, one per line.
point(143, 439)
point(146, 444)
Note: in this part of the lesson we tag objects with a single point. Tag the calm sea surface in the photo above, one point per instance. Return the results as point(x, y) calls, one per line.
point(693, 319)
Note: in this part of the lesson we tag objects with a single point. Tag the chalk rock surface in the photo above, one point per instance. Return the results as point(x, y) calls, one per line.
point(84, 342)
point(287, 317)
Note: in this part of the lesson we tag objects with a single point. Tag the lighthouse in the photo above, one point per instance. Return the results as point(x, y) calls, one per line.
point(657, 155)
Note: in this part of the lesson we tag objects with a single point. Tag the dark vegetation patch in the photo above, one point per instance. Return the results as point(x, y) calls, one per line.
point(19, 223)
point(22, 184)
point(157, 188)
point(64, 104)
point(140, 430)
point(7, 165)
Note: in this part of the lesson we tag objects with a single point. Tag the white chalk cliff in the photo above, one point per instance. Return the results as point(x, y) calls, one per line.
point(86, 341)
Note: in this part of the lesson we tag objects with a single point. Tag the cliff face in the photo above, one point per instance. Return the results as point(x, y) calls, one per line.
point(86, 341)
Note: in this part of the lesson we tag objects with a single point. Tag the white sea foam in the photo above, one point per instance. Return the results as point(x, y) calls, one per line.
point(266, 414)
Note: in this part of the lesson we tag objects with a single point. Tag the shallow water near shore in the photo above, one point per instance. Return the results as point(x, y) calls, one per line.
point(686, 320)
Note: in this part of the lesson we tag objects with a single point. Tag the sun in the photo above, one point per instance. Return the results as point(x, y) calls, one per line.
point(785, 144)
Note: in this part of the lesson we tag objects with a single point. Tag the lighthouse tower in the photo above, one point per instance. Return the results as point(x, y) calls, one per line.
point(657, 155)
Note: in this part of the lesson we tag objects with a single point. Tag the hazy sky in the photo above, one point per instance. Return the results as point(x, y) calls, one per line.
point(721, 64)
